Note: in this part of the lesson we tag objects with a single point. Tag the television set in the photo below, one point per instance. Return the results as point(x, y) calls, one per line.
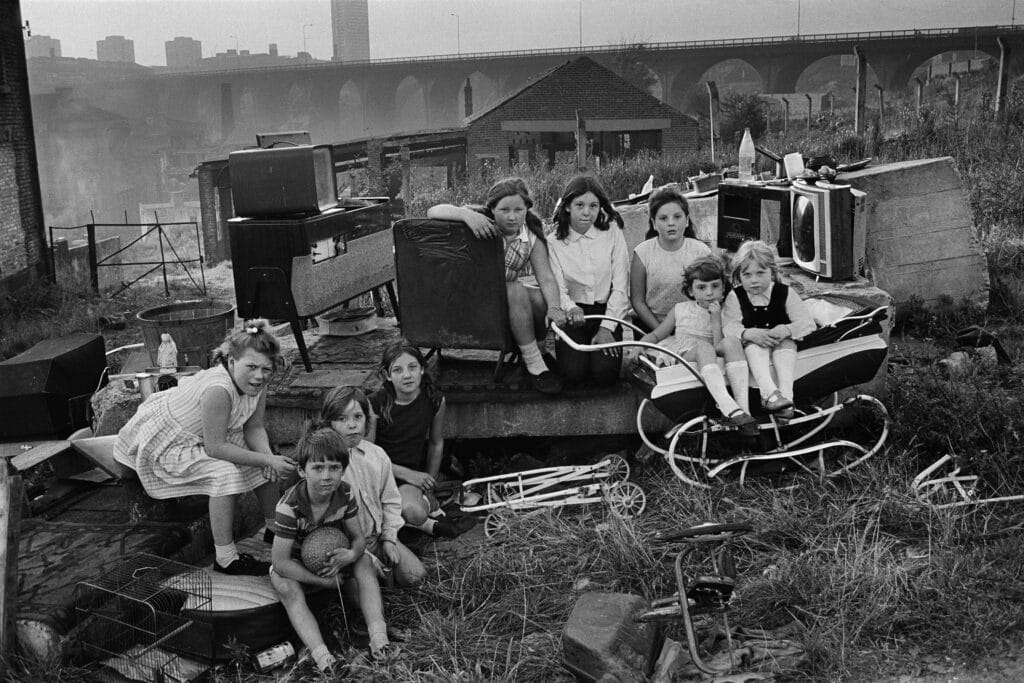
point(828, 229)
point(753, 211)
point(283, 181)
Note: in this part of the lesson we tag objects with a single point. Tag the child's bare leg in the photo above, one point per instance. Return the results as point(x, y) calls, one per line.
point(371, 604)
point(737, 370)
point(707, 361)
point(784, 359)
point(268, 494)
point(539, 307)
point(303, 621)
point(759, 360)
point(409, 571)
point(520, 317)
point(414, 508)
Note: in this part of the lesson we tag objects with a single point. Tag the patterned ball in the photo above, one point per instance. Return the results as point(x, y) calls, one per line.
point(319, 544)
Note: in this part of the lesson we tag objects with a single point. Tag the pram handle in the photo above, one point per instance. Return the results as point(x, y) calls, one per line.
point(706, 533)
point(576, 346)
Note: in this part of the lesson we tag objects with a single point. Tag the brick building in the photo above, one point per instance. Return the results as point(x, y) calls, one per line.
point(115, 49)
point(42, 46)
point(350, 30)
point(183, 51)
point(538, 121)
point(23, 253)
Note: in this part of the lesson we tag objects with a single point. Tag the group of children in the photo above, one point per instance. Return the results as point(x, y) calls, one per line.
point(365, 465)
point(682, 294)
point(368, 464)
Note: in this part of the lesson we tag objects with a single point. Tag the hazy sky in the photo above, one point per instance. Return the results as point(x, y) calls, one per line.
point(404, 28)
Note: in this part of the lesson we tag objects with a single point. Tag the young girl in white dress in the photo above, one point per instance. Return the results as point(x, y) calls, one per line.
point(207, 437)
point(693, 329)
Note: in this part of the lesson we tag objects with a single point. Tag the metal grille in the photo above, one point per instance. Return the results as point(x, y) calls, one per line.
point(149, 619)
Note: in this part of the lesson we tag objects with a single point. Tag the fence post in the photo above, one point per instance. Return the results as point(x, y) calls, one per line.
point(163, 261)
point(10, 526)
point(94, 276)
point(714, 116)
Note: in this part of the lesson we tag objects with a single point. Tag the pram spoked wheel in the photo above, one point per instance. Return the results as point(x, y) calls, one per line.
point(497, 522)
point(617, 468)
point(626, 499)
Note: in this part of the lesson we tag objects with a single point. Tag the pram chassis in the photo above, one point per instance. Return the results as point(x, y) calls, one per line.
point(556, 487)
point(703, 426)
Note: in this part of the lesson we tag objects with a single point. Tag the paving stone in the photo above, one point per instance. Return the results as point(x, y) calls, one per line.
point(602, 641)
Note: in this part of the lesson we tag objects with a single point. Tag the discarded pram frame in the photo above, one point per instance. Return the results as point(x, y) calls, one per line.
point(790, 440)
point(554, 487)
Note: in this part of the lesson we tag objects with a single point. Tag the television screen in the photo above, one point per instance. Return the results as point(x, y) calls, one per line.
point(822, 229)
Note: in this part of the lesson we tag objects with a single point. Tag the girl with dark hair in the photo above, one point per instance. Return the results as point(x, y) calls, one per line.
point(369, 474)
point(693, 329)
point(529, 283)
point(409, 426)
point(656, 272)
point(591, 264)
point(207, 437)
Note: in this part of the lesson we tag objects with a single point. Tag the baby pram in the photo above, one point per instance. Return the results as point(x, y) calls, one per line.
point(838, 355)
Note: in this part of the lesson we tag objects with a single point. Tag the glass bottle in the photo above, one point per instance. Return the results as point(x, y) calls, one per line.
point(747, 156)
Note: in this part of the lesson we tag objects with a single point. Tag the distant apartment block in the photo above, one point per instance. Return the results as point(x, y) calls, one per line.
point(183, 51)
point(115, 49)
point(42, 46)
point(350, 27)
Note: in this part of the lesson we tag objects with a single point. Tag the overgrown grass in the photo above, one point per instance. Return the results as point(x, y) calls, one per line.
point(870, 577)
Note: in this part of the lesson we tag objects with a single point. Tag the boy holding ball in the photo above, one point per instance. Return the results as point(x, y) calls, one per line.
point(321, 498)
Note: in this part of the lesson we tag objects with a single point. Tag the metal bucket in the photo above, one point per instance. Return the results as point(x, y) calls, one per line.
point(197, 328)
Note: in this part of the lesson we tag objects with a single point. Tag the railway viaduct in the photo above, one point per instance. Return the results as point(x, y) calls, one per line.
point(341, 101)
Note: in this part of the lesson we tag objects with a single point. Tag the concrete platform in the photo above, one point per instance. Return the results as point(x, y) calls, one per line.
point(478, 407)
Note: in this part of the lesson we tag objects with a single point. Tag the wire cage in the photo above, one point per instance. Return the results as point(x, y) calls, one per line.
point(149, 619)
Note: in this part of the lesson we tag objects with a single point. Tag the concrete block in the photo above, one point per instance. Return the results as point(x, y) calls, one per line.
point(921, 238)
point(601, 641)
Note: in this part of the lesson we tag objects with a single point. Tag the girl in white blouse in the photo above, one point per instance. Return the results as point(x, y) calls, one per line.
point(590, 260)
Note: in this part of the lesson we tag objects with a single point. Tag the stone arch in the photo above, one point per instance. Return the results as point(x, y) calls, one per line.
point(245, 118)
point(410, 105)
point(485, 92)
point(298, 107)
point(351, 111)
point(689, 92)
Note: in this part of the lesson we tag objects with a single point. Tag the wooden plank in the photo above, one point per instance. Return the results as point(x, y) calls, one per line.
point(38, 454)
point(10, 523)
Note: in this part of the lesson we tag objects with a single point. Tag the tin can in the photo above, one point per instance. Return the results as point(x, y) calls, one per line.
point(273, 657)
point(146, 383)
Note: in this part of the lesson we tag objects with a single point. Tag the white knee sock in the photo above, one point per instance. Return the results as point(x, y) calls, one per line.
point(532, 359)
point(226, 554)
point(759, 359)
point(322, 656)
point(712, 375)
point(738, 373)
point(785, 369)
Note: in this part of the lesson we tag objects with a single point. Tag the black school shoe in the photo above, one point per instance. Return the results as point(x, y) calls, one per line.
point(548, 382)
point(245, 565)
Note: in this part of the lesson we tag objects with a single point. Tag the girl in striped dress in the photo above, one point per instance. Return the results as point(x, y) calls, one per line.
point(207, 437)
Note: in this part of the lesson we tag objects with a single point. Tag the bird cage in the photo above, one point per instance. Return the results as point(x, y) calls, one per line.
point(149, 619)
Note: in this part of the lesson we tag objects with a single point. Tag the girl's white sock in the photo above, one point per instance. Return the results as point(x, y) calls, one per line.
point(322, 656)
point(712, 375)
point(759, 360)
point(532, 359)
point(225, 554)
point(785, 368)
point(738, 373)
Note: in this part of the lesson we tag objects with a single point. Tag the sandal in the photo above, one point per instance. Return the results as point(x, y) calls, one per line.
point(776, 402)
point(742, 422)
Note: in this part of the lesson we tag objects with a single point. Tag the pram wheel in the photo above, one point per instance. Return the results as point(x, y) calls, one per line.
point(626, 499)
point(617, 467)
point(497, 522)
